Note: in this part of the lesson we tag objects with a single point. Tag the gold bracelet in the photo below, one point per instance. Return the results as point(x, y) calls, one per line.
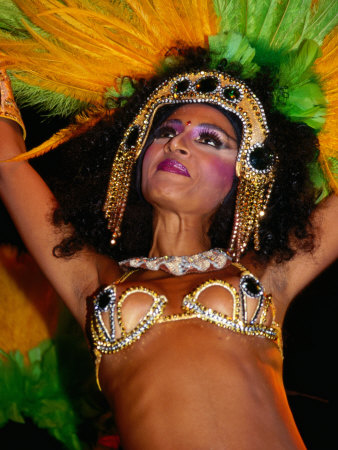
point(8, 107)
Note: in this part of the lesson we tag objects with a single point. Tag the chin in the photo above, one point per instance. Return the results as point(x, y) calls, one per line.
point(166, 187)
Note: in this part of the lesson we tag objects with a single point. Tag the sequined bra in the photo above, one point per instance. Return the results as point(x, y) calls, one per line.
point(104, 340)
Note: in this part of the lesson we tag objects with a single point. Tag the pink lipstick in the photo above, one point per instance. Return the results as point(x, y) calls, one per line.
point(173, 166)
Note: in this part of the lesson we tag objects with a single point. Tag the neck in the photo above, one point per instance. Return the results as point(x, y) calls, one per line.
point(177, 235)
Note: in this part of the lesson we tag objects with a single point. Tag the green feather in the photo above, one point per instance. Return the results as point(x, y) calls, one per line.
point(283, 25)
point(274, 27)
point(305, 101)
point(11, 22)
point(323, 19)
point(35, 391)
point(53, 103)
point(319, 181)
point(56, 389)
point(232, 14)
point(126, 88)
point(233, 47)
point(296, 66)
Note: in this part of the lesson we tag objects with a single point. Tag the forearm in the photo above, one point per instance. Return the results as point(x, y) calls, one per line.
point(11, 142)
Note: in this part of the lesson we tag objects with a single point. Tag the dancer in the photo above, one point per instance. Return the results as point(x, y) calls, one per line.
point(186, 335)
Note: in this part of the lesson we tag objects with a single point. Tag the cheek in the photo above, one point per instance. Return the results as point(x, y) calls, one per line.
point(148, 164)
point(147, 158)
point(220, 174)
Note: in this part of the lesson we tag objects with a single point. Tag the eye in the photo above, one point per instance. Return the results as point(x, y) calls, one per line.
point(165, 132)
point(210, 138)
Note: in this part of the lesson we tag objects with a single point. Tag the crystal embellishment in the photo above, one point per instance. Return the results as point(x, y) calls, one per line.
point(251, 286)
point(207, 84)
point(181, 86)
point(132, 137)
point(214, 259)
point(231, 94)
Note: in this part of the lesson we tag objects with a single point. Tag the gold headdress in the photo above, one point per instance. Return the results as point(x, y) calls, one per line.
point(254, 165)
point(75, 56)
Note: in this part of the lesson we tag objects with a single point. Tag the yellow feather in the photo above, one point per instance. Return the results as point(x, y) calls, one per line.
point(26, 298)
point(82, 125)
point(326, 66)
point(85, 46)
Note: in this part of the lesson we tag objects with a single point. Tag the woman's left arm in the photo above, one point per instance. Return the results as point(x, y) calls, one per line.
point(305, 266)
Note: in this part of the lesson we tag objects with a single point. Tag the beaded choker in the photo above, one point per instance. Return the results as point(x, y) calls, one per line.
point(208, 261)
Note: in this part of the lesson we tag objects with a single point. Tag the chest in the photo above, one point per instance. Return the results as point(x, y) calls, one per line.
point(124, 312)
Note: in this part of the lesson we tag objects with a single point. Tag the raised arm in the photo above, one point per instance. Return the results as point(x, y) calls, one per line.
point(305, 266)
point(30, 204)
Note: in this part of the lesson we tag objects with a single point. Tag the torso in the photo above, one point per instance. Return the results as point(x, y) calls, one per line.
point(190, 384)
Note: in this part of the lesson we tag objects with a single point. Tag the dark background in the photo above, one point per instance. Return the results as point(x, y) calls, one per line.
point(307, 367)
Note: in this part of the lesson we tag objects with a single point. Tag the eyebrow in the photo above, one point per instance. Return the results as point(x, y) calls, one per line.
point(206, 125)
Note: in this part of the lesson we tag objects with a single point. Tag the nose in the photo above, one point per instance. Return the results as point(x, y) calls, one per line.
point(178, 144)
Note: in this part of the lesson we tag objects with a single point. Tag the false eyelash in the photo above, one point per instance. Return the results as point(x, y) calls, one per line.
point(158, 133)
point(213, 135)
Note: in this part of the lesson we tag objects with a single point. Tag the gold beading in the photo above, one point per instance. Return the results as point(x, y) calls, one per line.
point(8, 107)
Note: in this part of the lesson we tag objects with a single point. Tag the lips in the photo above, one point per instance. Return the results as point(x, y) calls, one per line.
point(173, 166)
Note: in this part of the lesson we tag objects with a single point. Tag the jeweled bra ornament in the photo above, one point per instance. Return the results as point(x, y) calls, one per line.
point(251, 292)
point(254, 166)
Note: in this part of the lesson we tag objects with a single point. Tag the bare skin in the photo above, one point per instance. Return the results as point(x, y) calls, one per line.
point(185, 384)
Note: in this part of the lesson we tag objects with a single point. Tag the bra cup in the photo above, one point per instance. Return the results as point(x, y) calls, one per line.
point(133, 308)
point(223, 297)
point(218, 299)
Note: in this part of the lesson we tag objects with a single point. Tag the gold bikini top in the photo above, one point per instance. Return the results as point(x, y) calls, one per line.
point(104, 340)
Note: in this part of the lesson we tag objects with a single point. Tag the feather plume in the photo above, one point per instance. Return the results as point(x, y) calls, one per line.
point(326, 67)
point(274, 27)
point(232, 14)
point(81, 125)
point(78, 49)
point(233, 47)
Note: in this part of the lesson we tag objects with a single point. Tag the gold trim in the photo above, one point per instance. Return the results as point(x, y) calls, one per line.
point(8, 107)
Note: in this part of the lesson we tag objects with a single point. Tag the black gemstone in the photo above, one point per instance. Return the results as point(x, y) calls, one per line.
point(260, 158)
point(207, 84)
point(231, 94)
point(181, 86)
point(132, 137)
point(103, 299)
point(251, 286)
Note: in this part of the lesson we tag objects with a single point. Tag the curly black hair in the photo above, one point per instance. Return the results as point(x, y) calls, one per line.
point(81, 189)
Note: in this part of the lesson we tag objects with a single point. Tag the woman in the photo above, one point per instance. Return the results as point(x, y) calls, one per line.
point(185, 384)
point(190, 355)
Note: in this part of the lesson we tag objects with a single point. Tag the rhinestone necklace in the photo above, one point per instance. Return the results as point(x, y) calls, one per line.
point(207, 261)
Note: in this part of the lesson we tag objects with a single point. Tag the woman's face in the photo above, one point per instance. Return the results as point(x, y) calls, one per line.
point(190, 166)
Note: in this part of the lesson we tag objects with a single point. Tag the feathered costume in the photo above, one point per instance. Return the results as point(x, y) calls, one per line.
point(80, 59)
